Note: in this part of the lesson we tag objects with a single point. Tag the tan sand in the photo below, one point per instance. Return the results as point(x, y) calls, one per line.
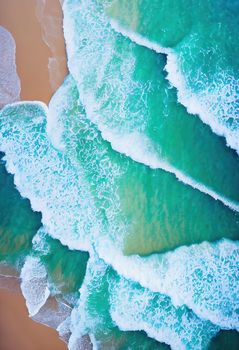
point(22, 19)
point(41, 66)
point(18, 331)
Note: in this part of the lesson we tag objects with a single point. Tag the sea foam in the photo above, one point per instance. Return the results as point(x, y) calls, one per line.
point(207, 105)
point(182, 297)
point(34, 284)
point(187, 274)
point(9, 81)
point(107, 86)
point(132, 307)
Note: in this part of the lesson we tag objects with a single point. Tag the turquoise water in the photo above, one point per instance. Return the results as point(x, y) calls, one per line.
point(130, 179)
point(193, 32)
point(18, 222)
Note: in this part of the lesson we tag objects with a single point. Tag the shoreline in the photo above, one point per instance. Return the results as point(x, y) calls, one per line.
point(19, 331)
point(36, 27)
point(41, 64)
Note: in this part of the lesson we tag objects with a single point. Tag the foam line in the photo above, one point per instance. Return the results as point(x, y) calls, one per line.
point(136, 144)
point(185, 96)
point(140, 153)
point(10, 86)
point(34, 284)
point(174, 274)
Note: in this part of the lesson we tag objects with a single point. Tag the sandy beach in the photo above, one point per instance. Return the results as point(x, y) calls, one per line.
point(18, 331)
point(36, 26)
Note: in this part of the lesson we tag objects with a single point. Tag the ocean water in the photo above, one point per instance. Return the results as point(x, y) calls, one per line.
point(19, 223)
point(120, 200)
point(191, 32)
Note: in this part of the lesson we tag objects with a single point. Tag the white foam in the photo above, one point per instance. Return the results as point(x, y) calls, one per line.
point(58, 221)
point(64, 329)
point(9, 81)
point(53, 313)
point(139, 148)
point(133, 308)
point(34, 284)
point(69, 214)
point(199, 104)
point(138, 39)
point(39, 243)
point(43, 307)
point(57, 104)
point(132, 141)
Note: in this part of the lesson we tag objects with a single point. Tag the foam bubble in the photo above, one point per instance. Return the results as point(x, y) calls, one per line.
point(139, 148)
point(9, 81)
point(34, 284)
point(70, 213)
point(53, 314)
point(133, 308)
point(211, 105)
point(120, 104)
point(203, 277)
point(39, 243)
point(57, 216)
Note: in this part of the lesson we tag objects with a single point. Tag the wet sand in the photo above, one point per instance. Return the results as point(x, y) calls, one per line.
point(31, 24)
point(18, 331)
point(41, 66)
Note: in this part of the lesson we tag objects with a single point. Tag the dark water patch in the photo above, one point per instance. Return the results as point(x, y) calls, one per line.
point(18, 222)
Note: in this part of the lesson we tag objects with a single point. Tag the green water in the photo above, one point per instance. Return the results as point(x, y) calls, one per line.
point(203, 36)
point(132, 98)
point(18, 222)
point(126, 197)
point(225, 340)
point(66, 268)
point(130, 208)
point(159, 212)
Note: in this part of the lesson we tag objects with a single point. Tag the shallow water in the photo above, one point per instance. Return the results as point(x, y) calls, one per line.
point(9, 82)
point(139, 226)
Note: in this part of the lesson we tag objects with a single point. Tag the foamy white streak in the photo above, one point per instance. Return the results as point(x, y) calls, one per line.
point(170, 274)
point(34, 284)
point(37, 204)
point(9, 81)
point(185, 96)
point(135, 145)
point(138, 147)
point(174, 274)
